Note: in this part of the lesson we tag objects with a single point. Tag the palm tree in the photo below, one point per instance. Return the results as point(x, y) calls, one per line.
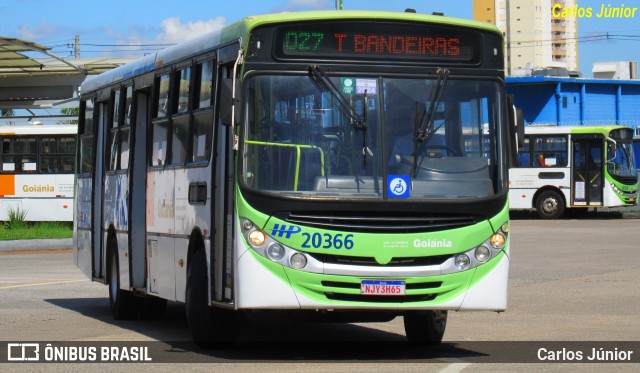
point(7, 113)
point(70, 111)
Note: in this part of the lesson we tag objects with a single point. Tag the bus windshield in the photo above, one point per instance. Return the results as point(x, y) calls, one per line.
point(356, 137)
point(623, 163)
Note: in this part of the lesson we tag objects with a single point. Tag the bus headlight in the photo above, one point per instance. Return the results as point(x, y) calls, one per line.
point(257, 238)
point(482, 254)
point(266, 246)
point(497, 241)
point(246, 224)
point(505, 228)
point(275, 252)
point(298, 261)
point(462, 262)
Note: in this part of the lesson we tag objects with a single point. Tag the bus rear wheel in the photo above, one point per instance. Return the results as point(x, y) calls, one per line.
point(123, 303)
point(550, 205)
point(425, 327)
point(210, 327)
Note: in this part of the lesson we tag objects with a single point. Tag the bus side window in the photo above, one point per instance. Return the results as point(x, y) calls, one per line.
point(183, 85)
point(125, 128)
point(159, 151)
point(162, 96)
point(67, 149)
point(204, 82)
point(113, 131)
point(524, 154)
point(161, 122)
point(8, 164)
point(48, 155)
point(85, 136)
point(550, 151)
point(180, 138)
point(19, 154)
point(180, 118)
point(203, 112)
point(202, 132)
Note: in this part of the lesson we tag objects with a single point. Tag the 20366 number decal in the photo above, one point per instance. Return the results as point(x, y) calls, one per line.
point(327, 241)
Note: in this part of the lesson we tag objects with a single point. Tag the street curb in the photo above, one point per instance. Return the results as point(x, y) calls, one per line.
point(49, 244)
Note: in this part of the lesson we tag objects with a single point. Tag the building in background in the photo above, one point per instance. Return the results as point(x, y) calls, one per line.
point(618, 70)
point(565, 101)
point(535, 38)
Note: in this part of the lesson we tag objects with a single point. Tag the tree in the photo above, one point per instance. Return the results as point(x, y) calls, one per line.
point(7, 113)
point(70, 111)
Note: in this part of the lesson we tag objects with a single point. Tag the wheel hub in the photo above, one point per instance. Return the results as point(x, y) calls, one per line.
point(550, 205)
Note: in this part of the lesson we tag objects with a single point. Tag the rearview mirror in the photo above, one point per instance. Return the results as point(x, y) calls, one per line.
point(228, 103)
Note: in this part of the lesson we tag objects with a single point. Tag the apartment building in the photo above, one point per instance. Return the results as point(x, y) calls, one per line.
point(537, 36)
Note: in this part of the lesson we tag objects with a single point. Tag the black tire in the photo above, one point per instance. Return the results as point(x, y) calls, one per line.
point(210, 327)
point(425, 327)
point(550, 205)
point(123, 302)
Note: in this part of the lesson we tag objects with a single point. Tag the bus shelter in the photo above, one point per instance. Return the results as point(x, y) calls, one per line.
point(35, 84)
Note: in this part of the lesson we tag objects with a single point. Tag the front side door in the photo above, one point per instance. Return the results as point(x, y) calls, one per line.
point(587, 172)
point(137, 187)
point(97, 195)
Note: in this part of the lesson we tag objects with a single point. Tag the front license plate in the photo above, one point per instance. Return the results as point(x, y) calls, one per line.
point(382, 287)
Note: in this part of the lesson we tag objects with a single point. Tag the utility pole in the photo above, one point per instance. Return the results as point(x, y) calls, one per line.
point(338, 4)
point(76, 47)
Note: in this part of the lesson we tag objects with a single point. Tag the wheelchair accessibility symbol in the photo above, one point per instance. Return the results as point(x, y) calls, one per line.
point(398, 186)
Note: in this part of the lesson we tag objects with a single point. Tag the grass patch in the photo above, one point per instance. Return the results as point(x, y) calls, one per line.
point(17, 218)
point(32, 231)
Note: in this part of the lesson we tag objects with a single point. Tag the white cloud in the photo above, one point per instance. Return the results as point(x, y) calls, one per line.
point(174, 31)
point(40, 31)
point(144, 40)
point(111, 42)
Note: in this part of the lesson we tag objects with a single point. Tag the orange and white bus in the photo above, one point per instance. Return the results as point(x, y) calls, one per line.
point(37, 164)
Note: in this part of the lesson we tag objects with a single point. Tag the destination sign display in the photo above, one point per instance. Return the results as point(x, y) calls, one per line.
point(362, 40)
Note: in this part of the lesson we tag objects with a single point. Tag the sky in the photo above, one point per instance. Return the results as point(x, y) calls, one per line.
point(132, 28)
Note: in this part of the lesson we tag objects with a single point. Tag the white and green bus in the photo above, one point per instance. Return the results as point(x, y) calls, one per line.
point(565, 167)
point(345, 165)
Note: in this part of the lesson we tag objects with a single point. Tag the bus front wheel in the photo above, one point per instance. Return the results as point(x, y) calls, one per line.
point(425, 327)
point(209, 326)
point(550, 205)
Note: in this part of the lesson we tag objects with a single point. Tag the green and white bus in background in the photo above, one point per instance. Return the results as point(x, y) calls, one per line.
point(574, 167)
point(348, 165)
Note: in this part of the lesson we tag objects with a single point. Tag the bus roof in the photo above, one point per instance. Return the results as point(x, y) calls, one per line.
point(38, 129)
point(240, 30)
point(561, 130)
point(250, 22)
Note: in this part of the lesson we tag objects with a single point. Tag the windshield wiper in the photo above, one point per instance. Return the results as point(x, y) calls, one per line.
point(425, 129)
point(358, 122)
point(326, 85)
